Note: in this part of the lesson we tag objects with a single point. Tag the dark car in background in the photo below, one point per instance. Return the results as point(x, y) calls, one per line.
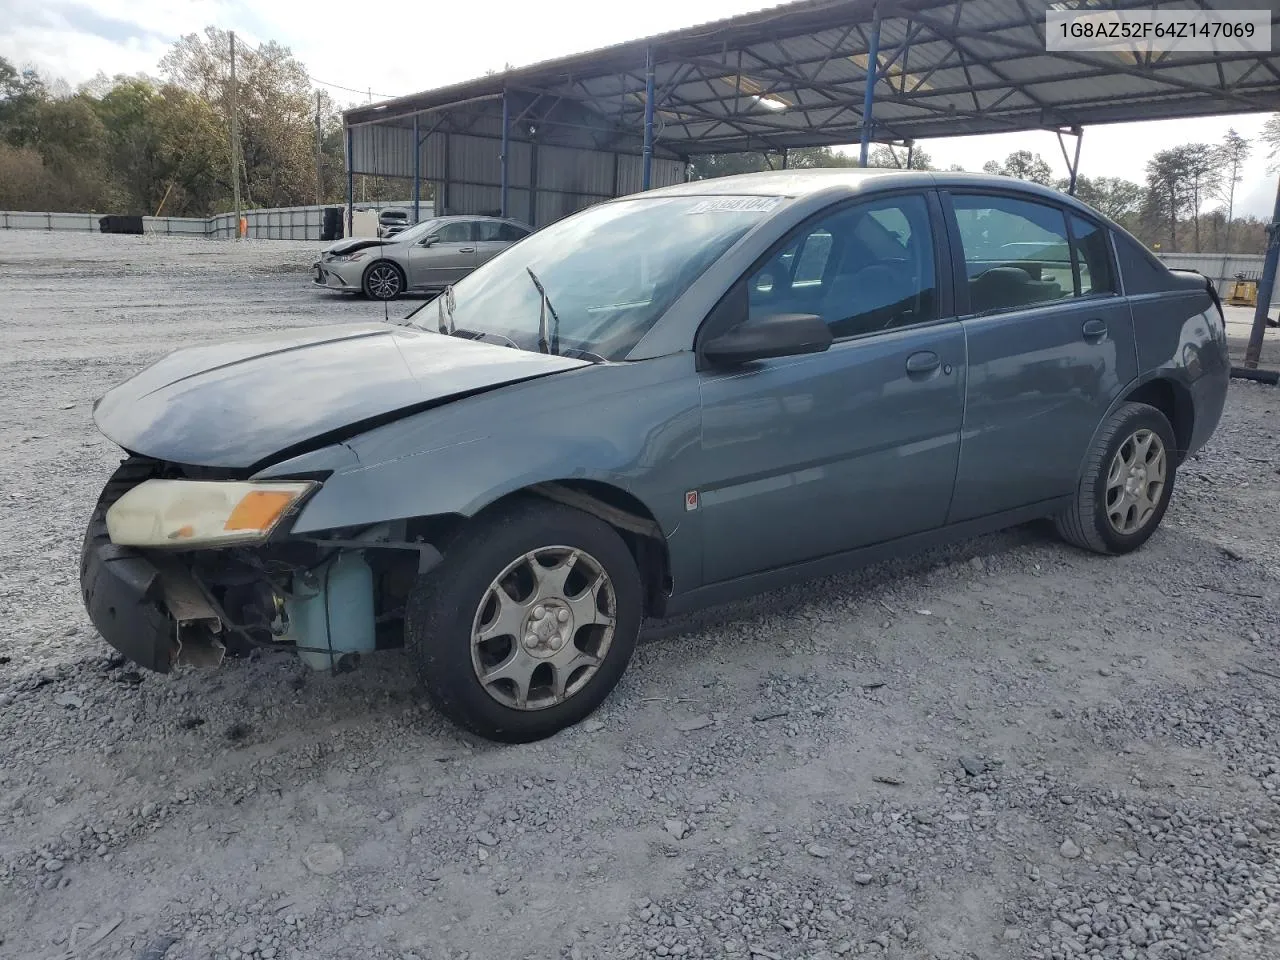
point(661, 402)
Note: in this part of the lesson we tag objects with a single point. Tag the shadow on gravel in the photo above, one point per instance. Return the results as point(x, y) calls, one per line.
point(862, 584)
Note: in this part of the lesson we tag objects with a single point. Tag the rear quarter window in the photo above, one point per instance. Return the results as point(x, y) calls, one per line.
point(1140, 270)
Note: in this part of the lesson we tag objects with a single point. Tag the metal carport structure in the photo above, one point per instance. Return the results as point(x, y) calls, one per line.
point(542, 141)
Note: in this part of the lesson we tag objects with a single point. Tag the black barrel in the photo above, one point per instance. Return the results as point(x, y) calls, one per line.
point(116, 223)
point(332, 229)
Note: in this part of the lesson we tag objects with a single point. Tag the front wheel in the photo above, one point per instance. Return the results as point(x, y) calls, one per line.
point(528, 623)
point(383, 281)
point(1126, 483)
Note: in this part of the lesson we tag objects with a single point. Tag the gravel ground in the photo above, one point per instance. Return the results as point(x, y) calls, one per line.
point(1010, 749)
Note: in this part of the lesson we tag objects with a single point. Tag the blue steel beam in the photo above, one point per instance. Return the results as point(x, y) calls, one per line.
point(869, 95)
point(506, 123)
point(1253, 353)
point(351, 184)
point(417, 169)
point(648, 119)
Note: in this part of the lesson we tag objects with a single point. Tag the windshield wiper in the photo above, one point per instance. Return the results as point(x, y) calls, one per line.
point(484, 334)
point(544, 309)
point(446, 303)
point(442, 300)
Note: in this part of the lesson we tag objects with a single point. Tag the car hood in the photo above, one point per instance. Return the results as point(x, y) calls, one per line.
point(356, 243)
point(243, 404)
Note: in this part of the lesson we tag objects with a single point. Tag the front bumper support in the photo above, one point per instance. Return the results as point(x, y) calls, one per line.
point(122, 593)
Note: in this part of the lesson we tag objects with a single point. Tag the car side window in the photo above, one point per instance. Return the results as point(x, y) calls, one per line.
point(458, 231)
point(1093, 257)
point(864, 268)
point(510, 233)
point(1016, 252)
point(487, 230)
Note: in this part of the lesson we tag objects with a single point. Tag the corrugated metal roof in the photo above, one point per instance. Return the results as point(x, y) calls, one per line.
point(794, 75)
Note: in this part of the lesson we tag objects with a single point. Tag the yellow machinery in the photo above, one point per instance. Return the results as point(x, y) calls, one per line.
point(1244, 293)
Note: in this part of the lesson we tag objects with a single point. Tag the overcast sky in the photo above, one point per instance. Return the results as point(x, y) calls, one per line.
point(399, 48)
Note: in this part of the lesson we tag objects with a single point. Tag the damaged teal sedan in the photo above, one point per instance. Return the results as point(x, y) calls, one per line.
point(664, 401)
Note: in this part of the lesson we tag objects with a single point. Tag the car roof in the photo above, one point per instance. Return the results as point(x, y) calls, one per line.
point(800, 183)
point(478, 216)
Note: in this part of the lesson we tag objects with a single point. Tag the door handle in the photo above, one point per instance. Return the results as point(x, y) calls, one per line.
point(466, 249)
point(926, 361)
point(1094, 329)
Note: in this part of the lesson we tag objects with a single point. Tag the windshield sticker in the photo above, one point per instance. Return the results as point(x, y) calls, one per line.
point(735, 205)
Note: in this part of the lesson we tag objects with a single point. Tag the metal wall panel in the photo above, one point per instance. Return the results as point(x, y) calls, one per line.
point(277, 223)
point(553, 205)
point(575, 171)
point(1221, 268)
point(663, 173)
point(382, 150)
point(30, 220)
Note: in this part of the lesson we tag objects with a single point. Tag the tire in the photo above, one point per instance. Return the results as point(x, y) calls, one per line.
point(527, 655)
point(383, 280)
point(1104, 517)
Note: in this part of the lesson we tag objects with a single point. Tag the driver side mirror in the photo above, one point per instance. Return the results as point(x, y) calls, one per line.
point(781, 335)
point(429, 241)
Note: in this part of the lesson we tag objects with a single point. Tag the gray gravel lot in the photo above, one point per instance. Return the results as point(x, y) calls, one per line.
point(1011, 749)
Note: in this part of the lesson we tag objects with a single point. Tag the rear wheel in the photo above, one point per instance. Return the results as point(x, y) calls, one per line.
point(383, 280)
point(529, 622)
point(1126, 483)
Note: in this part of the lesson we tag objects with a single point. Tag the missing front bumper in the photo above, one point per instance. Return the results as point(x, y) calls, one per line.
point(156, 616)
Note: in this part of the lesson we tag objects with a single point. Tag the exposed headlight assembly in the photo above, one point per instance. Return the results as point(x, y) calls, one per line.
point(347, 257)
point(201, 513)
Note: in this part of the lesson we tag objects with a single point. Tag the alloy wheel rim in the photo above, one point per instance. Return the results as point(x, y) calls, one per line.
point(1135, 482)
point(543, 628)
point(384, 282)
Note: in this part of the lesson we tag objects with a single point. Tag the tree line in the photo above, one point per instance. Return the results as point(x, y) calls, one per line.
point(140, 144)
point(130, 143)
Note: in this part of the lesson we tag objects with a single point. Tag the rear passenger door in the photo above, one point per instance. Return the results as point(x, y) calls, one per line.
point(494, 236)
point(1050, 346)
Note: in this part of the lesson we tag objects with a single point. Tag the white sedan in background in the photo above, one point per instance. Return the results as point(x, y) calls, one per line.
point(427, 256)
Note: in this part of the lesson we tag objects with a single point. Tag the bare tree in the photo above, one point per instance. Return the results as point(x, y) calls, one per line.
point(1231, 156)
point(1204, 177)
point(1167, 195)
point(1271, 137)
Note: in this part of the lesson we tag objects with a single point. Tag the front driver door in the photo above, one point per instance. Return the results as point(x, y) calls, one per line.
point(812, 455)
point(450, 256)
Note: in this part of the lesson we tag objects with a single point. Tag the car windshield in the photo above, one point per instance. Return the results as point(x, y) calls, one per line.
point(609, 272)
point(417, 231)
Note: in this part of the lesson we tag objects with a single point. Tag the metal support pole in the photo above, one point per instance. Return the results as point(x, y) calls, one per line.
point(351, 183)
point(319, 154)
point(1253, 352)
point(235, 139)
point(785, 158)
point(417, 170)
point(648, 119)
point(911, 149)
point(506, 123)
point(868, 97)
point(533, 184)
point(1075, 164)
